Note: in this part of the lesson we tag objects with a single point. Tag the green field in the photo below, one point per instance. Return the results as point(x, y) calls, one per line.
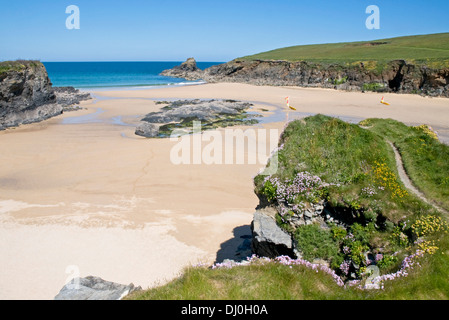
point(432, 50)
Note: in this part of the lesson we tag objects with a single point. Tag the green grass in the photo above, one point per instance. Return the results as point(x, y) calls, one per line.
point(17, 65)
point(273, 281)
point(372, 87)
point(339, 81)
point(432, 50)
point(318, 243)
point(426, 160)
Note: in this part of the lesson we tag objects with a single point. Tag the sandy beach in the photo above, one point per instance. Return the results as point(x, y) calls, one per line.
point(82, 192)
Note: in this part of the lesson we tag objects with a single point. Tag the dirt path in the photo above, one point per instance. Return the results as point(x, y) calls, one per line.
point(408, 183)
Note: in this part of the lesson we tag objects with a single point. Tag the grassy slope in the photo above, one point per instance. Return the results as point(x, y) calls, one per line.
point(425, 159)
point(274, 281)
point(431, 49)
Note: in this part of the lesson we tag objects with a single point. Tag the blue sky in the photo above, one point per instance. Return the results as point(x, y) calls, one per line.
point(173, 30)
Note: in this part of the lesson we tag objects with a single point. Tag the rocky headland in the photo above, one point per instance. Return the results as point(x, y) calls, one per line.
point(396, 76)
point(27, 94)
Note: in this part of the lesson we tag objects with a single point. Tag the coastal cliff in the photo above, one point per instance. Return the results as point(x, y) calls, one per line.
point(27, 95)
point(394, 76)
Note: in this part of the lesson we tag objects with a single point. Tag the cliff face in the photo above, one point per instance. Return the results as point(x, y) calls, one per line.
point(396, 76)
point(26, 95)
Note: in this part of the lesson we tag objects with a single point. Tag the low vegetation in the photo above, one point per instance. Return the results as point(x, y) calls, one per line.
point(17, 65)
point(374, 86)
point(426, 160)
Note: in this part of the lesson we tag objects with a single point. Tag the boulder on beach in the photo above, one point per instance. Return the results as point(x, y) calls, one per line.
point(94, 288)
point(179, 116)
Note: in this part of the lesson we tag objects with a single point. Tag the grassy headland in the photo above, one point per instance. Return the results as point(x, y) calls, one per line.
point(353, 169)
point(431, 50)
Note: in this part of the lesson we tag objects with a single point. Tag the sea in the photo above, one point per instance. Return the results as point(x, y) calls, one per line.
point(107, 75)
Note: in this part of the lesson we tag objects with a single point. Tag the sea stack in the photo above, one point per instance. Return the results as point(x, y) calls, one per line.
point(187, 70)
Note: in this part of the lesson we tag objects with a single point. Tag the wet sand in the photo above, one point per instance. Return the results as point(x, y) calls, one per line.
point(82, 192)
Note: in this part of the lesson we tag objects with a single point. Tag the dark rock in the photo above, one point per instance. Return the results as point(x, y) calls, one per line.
point(68, 96)
point(398, 76)
point(187, 70)
point(147, 130)
point(94, 288)
point(179, 115)
point(189, 65)
point(27, 95)
point(199, 110)
point(268, 239)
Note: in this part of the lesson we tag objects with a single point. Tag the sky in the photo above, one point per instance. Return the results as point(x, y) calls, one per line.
point(218, 31)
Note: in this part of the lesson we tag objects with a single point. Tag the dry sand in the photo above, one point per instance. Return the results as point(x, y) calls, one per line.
point(80, 192)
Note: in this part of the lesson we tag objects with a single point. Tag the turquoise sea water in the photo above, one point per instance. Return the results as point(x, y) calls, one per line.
point(86, 75)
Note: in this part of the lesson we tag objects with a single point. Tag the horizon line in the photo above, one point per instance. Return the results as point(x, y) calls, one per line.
point(81, 61)
point(130, 61)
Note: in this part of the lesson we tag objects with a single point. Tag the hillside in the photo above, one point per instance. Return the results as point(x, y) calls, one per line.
point(430, 49)
point(414, 64)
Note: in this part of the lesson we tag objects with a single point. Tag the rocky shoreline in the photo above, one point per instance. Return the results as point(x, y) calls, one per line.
point(397, 76)
point(27, 95)
point(68, 97)
point(177, 117)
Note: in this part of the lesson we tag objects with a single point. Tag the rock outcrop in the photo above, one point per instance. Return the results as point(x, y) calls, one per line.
point(179, 115)
point(268, 239)
point(94, 288)
point(27, 95)
point(68, 96)
point(396, 76)
point(187, 70)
